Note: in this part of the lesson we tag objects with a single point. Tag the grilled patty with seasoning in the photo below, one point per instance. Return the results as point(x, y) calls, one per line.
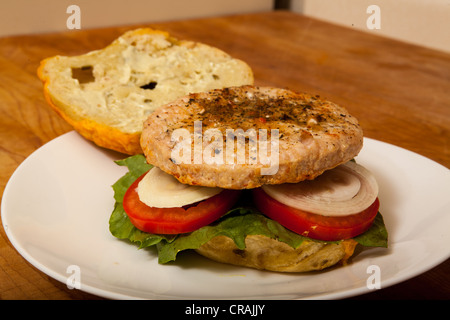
point(306, 134)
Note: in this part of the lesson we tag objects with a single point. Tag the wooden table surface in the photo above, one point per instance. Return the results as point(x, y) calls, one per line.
point(399, 92)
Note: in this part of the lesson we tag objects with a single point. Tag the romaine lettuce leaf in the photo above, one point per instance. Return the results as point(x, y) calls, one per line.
point(236, 224)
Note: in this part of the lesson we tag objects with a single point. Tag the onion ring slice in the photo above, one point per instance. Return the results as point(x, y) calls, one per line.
point(345, 190)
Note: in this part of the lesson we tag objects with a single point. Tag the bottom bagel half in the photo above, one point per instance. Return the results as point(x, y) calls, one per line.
point(264, 253)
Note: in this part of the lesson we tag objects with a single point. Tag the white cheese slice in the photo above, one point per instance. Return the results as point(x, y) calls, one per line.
point(161, 190)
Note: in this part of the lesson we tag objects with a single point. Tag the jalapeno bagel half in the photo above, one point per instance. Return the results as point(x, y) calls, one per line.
point(106, 94)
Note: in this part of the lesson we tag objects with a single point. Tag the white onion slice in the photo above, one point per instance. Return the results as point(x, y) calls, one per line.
point(347, 189)
point(161, 190)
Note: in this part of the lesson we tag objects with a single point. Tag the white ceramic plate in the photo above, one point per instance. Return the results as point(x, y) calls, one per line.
point(57, 204)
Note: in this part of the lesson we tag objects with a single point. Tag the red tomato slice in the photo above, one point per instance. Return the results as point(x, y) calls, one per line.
point(316, 226)
point(179, 219)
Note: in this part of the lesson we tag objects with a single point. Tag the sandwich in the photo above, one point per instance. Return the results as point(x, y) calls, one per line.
point(258, 177)
point(252, 176)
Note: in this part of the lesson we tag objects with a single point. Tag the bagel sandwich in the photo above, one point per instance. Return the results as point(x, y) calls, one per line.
point(258, 177)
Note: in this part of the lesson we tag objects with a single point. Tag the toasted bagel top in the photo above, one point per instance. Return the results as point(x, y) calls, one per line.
point(107, 94)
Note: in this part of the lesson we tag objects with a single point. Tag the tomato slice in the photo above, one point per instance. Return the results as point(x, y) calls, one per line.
point(313, 225)
point(178, 219)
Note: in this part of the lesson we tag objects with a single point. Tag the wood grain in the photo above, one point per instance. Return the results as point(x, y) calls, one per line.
point(399, 92)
